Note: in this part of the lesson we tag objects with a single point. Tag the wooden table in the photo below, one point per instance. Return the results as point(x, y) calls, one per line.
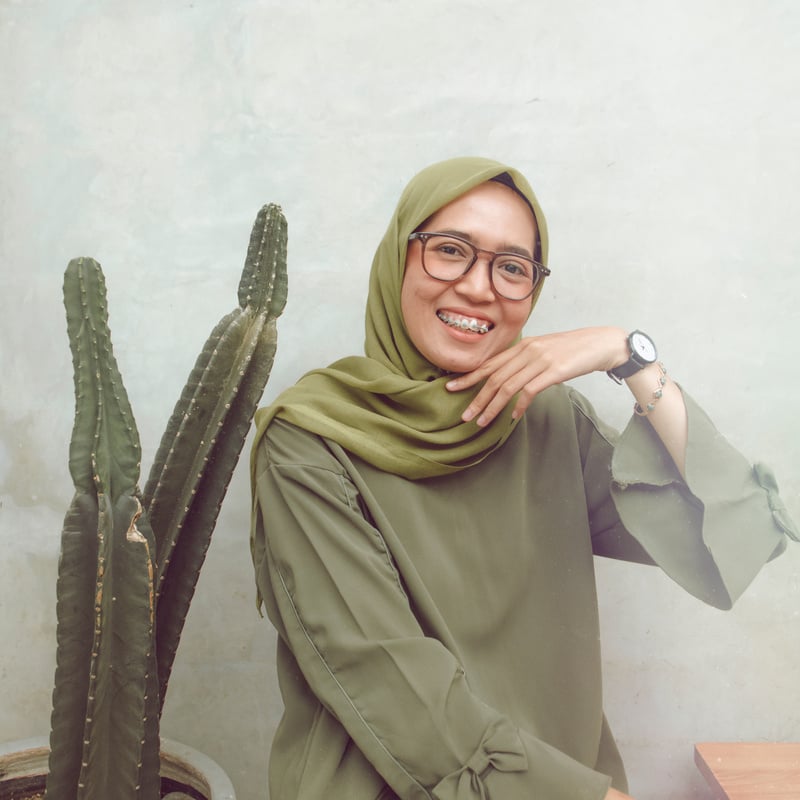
point(750, 771)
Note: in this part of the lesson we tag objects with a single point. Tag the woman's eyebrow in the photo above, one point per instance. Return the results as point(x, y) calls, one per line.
point(506, 248)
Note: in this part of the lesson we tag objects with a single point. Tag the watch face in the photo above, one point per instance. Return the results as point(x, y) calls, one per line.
point(643, 347)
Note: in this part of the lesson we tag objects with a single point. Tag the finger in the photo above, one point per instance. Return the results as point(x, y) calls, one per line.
point(533, 383)
point(473, 378)
point(506, 378)
point(551, 375)
point(525, 396)
point(522, 359)
point(499, 402)
point(529, 393)
point(498, 391)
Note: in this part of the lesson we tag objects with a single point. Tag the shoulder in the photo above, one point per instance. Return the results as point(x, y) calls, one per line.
point(293, 463)
point(287, 445)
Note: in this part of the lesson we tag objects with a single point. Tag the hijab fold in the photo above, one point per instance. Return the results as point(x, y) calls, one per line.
point(390, 407)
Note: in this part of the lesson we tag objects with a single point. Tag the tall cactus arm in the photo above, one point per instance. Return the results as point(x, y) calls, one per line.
point(98, 633)
point(206, 432)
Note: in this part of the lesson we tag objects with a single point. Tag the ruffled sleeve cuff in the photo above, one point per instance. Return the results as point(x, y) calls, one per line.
point(712, 532)
point(510, 764)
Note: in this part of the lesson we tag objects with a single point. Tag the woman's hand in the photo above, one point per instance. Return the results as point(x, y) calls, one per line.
point(536, 362)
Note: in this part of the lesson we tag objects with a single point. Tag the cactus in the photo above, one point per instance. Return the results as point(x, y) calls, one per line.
point(130, 561)
point(106, 611)
point(206, 432)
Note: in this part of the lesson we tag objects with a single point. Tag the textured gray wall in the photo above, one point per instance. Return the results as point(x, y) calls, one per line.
point(662, 139)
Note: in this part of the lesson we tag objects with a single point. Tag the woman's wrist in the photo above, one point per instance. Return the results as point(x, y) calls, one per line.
point(621, 351)
point(647, 386)
point(661, 401)
point(615, 349)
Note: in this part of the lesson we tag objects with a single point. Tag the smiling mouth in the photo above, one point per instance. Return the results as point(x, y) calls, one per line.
point(465, 323)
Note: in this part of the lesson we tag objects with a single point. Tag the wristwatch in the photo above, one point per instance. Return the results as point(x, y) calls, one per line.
point(643, 353)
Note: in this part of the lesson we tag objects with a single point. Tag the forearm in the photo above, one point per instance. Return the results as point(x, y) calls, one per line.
point(537, 362)
point(665, 410)
point(657, 397)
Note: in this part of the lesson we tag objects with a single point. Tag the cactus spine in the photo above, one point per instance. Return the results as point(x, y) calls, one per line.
point(130, 562)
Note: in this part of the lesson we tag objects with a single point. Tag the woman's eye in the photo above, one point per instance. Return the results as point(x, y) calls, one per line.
point(451, 250)
point(514, 269)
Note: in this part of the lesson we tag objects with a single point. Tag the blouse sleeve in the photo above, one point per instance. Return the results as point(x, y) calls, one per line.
point(336, 598)
point(711, 532)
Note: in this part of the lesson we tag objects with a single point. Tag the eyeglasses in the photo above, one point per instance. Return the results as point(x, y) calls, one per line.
point(449, 258)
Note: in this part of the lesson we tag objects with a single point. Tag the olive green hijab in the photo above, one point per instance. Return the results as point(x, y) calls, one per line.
point(390, 407)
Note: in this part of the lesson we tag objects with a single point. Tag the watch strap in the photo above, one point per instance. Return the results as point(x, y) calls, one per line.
point(630, 367)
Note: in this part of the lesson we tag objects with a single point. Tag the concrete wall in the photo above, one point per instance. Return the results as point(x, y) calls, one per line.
point(662, 139)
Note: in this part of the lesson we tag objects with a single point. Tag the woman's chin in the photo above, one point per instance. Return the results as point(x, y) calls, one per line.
point(459, 363)
point(457, 351)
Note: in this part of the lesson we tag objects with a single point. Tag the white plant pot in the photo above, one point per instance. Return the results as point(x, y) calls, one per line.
point(23, 765)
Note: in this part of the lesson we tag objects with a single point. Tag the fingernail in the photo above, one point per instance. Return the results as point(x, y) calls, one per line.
point(468, 415)
point(451, 385)
point(481, 421)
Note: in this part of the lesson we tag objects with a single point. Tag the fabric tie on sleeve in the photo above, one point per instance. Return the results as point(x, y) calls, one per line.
point(501, 748)
point(766, 480)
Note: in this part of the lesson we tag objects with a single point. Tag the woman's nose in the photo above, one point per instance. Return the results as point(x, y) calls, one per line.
point(476, 284)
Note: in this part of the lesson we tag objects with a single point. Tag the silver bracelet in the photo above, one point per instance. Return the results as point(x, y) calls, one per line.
point(659, 390)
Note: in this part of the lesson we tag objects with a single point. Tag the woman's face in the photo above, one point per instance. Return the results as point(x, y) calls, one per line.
point(493, 217)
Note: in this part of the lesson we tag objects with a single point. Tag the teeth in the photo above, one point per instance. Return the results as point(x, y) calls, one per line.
point(464, 324)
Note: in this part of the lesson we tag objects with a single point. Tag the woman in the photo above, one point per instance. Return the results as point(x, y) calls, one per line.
point(426, 516)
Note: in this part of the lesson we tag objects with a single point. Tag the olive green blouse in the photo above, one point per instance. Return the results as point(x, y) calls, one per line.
point(438, 638)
